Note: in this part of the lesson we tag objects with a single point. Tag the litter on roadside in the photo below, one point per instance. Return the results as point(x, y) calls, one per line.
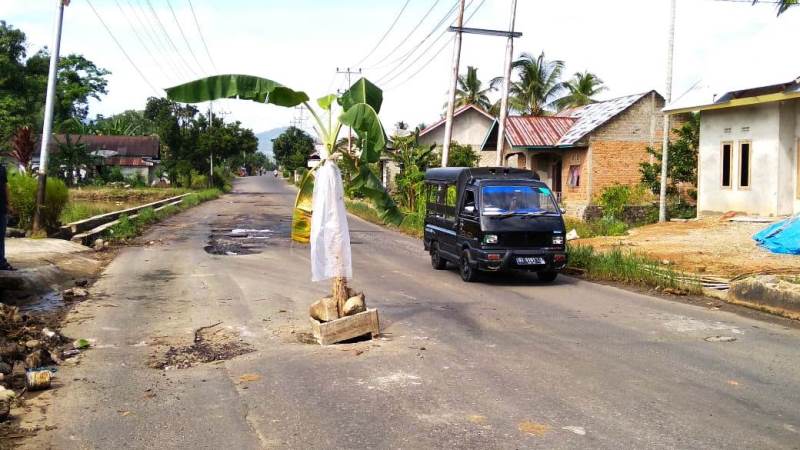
point(781, 237)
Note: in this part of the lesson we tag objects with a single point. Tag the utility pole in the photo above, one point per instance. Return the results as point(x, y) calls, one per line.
point(347, 73)
point(501, 126)
point(48, 115)
point(211, 160)
point(451, 102)
point(662, 207)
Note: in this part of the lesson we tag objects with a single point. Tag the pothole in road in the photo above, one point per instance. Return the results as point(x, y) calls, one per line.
point(210, 344)
point(249, 239)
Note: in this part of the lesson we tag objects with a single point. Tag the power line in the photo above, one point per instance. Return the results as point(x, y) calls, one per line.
point(441, 49)
point(202, 39)
point(141, 41)
point(389, 30)
point(183, 35)
point(152, 34)
point(169, 39)
point(408, 36)
point(121, 49)
point(392, 76)
point(402, 66)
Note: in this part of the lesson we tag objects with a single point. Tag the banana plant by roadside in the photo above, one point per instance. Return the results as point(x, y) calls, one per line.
point(356, 108)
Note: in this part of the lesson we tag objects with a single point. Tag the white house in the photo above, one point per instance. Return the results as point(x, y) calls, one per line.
point(749, 155)
point(471, 126)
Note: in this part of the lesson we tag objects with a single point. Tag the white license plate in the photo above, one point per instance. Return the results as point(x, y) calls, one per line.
point(530, 261)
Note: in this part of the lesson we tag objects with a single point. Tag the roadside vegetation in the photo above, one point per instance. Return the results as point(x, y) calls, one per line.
point(130, 227)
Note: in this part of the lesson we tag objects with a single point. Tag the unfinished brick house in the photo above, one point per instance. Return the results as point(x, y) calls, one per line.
point(580, 151)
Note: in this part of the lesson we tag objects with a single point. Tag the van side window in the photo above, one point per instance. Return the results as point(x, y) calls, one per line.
point(469, 203)
point(450, 202)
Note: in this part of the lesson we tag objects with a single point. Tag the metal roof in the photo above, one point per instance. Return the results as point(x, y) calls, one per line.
point(704, 98)
point(537, 131)
point(141, 146)
point(594, 115)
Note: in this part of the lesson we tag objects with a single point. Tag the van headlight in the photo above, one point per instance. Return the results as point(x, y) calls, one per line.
point(490, 239)
point(558, 240)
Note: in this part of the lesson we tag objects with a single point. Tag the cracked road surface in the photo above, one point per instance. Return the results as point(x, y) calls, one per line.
point(509, 363)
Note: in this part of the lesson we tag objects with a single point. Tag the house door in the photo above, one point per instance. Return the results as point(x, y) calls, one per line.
point(556, 176)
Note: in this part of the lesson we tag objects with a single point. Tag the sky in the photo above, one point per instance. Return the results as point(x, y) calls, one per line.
point(719, 46)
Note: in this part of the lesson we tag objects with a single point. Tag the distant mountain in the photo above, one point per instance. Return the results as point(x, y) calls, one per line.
point(265, 140)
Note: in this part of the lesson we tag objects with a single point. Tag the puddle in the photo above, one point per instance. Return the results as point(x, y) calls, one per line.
point(38, 303)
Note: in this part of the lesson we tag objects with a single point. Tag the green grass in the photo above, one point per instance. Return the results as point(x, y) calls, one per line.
point(600, 227)
point(627, 267)
point(128, 228)
point(412, 224)
point(75, 211)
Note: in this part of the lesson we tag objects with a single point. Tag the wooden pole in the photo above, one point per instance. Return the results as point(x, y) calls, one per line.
point(340, 294)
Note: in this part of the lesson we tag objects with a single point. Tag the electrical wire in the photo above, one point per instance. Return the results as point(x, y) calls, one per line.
point(392, 75)
point(380, 41)
point(408, 36)
point(202, 39)
point(167, 77)
point(169, 39)
point(152, 34)
point(428, 62)
point(121, 49)
point(183, 35)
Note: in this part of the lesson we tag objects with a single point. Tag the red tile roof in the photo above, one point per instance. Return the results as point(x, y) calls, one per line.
point(537, 131)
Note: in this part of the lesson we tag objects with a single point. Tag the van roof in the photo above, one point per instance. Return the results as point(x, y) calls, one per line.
point(454, 174)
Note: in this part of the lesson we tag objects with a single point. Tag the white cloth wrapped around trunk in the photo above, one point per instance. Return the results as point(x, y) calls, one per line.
point(330, 236)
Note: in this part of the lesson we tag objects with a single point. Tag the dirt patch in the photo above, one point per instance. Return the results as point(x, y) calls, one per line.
point(211, 343)
point(707, 246)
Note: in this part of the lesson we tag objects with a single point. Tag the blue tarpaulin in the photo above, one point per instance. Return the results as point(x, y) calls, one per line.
point(781, 237)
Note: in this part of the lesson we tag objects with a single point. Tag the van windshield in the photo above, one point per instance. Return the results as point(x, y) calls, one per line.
point(523, 200)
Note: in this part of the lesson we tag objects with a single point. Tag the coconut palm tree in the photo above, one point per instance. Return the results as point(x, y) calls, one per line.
point(469, 90)
point(538, 86)
point(783, 5)
point(582, 88)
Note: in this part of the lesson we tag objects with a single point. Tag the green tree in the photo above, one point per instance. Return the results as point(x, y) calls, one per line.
point(462, 156)
point(538, 86)
point(471, 92)
point(72, 156)
point(126, 123)
point(413, 161)
point(682, 158)
point(582, 88)
point(292, 148)
point(782, 5)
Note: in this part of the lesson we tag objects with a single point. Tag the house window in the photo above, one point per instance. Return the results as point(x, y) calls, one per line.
point(744, 164)
point(727, 154)
point(574, 176)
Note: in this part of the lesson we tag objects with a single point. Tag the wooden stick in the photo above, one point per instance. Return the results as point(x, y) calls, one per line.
point(340, 294)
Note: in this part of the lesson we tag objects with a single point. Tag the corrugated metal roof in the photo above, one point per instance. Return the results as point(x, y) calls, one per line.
point(127, 161)
point(594, 115)
point(537, 131)
point(142, 146)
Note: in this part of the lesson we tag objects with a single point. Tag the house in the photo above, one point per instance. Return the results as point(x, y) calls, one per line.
point(471, 124)
point(134, 155)
point(749, 155)
point(581, 151)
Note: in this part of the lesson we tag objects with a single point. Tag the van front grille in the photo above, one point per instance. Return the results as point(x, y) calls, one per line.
point(526, 239)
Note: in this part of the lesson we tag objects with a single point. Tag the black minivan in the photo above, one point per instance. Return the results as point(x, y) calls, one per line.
point(493, 219)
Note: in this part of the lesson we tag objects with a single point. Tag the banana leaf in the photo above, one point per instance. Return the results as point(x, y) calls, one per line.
point(371, 187)
point(362, 91)
point(301, 215)
point(245, 87)
point(363, 119)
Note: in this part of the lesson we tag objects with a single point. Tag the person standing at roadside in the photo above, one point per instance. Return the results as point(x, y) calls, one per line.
point(4, 265)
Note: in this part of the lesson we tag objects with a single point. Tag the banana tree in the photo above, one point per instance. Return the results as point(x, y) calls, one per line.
point(356, 108)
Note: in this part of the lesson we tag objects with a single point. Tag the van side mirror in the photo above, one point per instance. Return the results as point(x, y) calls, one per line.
point(563, 210)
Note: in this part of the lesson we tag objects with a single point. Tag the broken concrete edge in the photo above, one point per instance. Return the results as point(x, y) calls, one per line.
point(88, 238)
point(69, 230)
point(767, 293)
point(345, 328)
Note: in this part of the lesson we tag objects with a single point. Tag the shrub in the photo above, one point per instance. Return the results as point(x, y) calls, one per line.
point(613, 199)
point(199, 181)
point(116, 176)
point(606, 226)
point(22, 189)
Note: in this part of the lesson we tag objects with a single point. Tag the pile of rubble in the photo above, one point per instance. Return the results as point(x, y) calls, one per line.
point(29, 354)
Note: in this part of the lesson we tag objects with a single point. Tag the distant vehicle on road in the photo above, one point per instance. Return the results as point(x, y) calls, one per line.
point(493, 219)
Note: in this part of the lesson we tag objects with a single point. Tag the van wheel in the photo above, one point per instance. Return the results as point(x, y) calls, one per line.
point(468, 273)
point(437, 262)
point(546, 277)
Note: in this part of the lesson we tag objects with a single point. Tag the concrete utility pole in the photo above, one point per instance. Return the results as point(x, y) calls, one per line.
point(211, 160)
point(662, 207)
point(48, 115)
point(501, 126)
point(349, 72)
point(451, 104)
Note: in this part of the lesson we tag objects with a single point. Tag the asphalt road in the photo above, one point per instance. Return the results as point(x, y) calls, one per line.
point(509, 363)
